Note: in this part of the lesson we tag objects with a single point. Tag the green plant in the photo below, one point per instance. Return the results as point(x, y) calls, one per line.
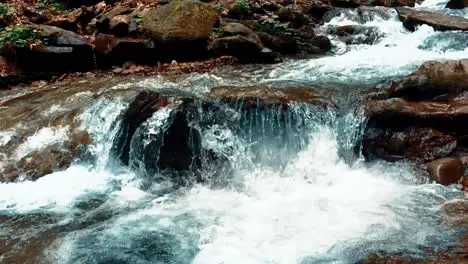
point(270, 26)
point(20, 36)
point(243, 6)
point(7, 12)
point(217, 33)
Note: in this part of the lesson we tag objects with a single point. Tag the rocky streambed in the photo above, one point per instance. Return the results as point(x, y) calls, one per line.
point(353, 150)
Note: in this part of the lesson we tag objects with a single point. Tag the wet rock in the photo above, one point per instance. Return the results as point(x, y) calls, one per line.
point(425, 110)
point(432, 79)
point(446, 171)
point(356, 34)
point(457, 4)
point(438, 21)
point(268, 96)
point(417, 144)
point(464, 182)
point(50, 159)
point(181, 20)
point(386, 3)
point(141, 108)
point(122, 25)
point(317, 45)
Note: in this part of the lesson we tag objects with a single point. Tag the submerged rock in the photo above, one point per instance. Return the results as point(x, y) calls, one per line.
point(446, 171)
point(439, 21)
point(50, 159)
point(274, 96)
point(357, 34)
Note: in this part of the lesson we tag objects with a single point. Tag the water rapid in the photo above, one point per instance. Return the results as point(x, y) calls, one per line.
point(274, 185)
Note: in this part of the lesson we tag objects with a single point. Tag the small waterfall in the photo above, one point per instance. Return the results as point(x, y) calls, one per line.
point(175, 176)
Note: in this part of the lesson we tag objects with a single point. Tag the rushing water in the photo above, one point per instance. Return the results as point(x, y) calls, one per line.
point(287, 186)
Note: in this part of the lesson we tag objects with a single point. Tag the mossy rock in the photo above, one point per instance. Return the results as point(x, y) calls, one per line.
point(181, 20)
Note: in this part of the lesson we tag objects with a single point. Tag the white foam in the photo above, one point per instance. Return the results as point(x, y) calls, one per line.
point(54, 192)
point(398, 53)
point(6, 137)
point(283, 217)
point(42, 138)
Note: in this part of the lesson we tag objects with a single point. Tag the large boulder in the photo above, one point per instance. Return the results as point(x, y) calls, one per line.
point(181, 29)
point(439, 21)
point(457, 4)
point(432, 79)
point(181, 20)
point(429, 106)
point(446, 171)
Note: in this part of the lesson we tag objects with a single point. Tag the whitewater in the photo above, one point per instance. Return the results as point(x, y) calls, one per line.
point(295, 192)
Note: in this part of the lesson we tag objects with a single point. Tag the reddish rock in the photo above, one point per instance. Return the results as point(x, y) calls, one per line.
point(446, 171)
point(274, 96)
point(439, 21)
point(386, 3)
point(76, 20)
point(432, 79)
point(50, 159)
point(417, 144)
point(102, 21)
point(424, 110)
point(122, 25)
point(464, 182)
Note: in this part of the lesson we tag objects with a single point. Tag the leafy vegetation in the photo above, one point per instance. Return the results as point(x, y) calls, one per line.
point(20, 36)
point(270, 26)
point(217, 33)
point(7, 12)
point(243, 6)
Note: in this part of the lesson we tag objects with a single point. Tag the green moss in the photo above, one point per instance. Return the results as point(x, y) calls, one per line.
point(20, 36)
point(270, 26)
point(7, 12)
